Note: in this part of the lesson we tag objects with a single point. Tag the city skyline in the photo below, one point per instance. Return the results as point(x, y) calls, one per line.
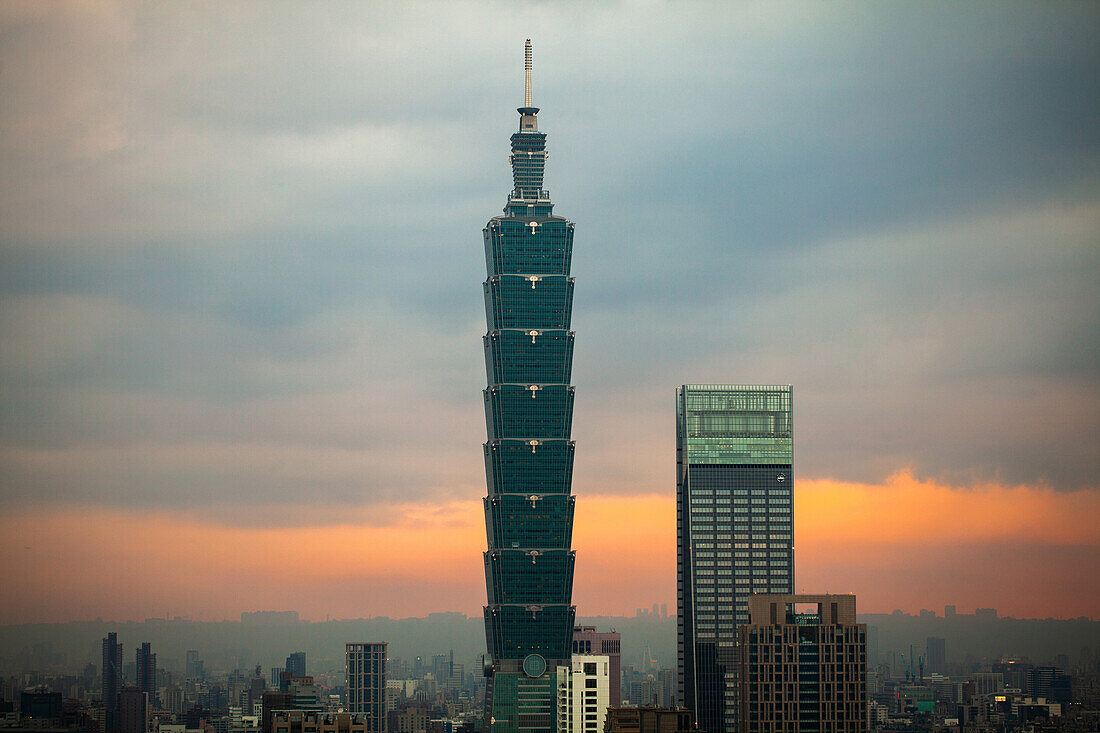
point(237, 322)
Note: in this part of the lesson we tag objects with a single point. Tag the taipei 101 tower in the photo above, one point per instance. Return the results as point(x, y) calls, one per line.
point(528, 453)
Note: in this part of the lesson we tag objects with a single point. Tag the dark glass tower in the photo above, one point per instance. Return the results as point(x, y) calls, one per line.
point(147, 671)
point(734, 497)
point(112, 681)
point(529, 453)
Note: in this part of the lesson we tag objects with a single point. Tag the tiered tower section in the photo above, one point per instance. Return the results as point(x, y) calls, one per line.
point(529, 452)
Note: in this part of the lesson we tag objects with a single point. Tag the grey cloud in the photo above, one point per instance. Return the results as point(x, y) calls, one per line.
point(262, 234)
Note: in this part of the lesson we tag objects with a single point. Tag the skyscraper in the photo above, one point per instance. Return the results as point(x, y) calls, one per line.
point(366, 682)
point(935, 651)
point(195, 665)
point(296, 664)
point(734, 497)
point(147, 672)
point(112, 680)
point(528, 453)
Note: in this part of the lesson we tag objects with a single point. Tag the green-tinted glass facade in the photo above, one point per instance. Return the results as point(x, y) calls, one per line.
point(734, 531)
point(529, 452)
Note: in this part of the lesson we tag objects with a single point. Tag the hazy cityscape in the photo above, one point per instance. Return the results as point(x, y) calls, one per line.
point(790, 393)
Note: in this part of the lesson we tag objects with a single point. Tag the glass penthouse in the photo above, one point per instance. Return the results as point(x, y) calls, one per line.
point(734, 497)
point(529, 453)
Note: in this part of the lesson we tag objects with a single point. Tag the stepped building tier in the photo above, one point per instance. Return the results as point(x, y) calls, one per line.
point(529, 452)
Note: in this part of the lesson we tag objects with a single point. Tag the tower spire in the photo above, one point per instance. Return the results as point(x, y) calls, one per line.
point(527, 73)
point(527, 120)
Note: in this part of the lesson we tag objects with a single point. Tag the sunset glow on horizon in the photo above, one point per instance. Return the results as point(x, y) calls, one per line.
point(879, 541)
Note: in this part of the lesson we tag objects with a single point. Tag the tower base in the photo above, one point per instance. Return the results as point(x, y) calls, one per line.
point(517, 703)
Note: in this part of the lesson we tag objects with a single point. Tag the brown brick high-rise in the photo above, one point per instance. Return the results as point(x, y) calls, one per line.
point(803, 665)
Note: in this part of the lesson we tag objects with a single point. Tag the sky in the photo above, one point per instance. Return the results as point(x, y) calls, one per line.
point(240, 293)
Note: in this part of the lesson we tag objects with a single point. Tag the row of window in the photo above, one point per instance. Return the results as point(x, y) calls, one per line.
point(706, 501)
point(699, 552)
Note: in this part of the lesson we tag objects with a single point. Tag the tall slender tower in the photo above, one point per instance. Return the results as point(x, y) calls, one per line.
point(147, 671)
point(112, 680)
point(529, 453)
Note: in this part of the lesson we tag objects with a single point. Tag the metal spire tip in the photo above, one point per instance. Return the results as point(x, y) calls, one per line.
point(527, 73)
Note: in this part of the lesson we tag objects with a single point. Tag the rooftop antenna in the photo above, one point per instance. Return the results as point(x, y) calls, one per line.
point(527, 73)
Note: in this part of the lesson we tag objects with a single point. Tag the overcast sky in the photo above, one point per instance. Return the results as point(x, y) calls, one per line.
point(241, 252)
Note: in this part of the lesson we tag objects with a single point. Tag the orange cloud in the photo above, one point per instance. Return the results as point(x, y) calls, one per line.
point(905, 543)
point(853, 513)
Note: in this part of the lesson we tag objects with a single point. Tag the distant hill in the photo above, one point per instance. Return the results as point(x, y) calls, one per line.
point(267, 639)
point(982, 638)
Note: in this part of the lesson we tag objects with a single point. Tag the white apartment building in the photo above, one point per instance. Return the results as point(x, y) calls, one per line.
point(583, 694)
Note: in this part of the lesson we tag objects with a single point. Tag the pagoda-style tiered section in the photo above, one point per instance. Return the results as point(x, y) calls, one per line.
point(529, 453)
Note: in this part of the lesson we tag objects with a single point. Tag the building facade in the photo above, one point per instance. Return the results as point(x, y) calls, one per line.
point(734, 525)
point(803, 665)
point(528, 451)
point(366, 682)
point(587, 640)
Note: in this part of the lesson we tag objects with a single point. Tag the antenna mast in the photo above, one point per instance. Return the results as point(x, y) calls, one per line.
point(527, 73)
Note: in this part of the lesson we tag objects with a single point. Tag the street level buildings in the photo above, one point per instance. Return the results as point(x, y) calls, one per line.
point(734, 512)
point(296, 721)
point(651, 719)
point(803, 665)
point(529, 451)
point(366, 683)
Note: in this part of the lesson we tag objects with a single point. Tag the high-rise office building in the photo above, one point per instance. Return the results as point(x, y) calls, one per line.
point(296, 664)
point(734, 503)
point(935, 652)
point(1049, 683)
point(584, 694)
point(587, 640)
point(147, 672)
point(803, 665)
point(528, 451)
point(195, 666)
point(366, 682)
point(112, 680)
